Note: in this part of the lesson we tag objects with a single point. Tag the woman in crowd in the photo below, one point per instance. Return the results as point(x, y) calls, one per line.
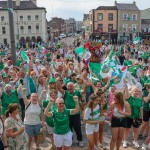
point(119, 110)
point(3, 138)
point(33, 117)
point(92, 120)
point(103, 109)
point(62, 132)
point(136, 110)
point(146, 112)
point(17, 138)
point(49, 120)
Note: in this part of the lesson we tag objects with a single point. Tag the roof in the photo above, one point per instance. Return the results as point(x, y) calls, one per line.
point(125, 6)
point(23, 5)
point(107, 7)
point(145, 14)
point(145, 21)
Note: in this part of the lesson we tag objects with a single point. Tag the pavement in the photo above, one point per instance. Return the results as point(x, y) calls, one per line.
point(107, 132)
point(106, 141)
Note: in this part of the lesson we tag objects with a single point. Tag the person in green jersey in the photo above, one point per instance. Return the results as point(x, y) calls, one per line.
point(146, 112)
point(92, 120)
point(135, 103)
point(9, 96)
point(62, 132)
point(49, 120)
point(75, 120)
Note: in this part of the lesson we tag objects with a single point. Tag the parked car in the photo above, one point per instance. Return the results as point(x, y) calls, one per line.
point(62, 36)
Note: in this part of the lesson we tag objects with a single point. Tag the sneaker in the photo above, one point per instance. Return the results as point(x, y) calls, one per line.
point(99, 145)
point(136, 144)
point(144, 146)
point(125, 144)
point(81, 144)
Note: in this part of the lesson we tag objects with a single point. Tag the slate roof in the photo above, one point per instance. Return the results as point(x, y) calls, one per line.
point(107, 7)
point(125, 6)
point(23, 5)
point(145, 14)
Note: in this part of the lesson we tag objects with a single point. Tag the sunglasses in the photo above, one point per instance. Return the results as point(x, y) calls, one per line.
point(61, 103)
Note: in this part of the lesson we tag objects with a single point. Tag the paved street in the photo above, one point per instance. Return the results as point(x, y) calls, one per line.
point(107, 137)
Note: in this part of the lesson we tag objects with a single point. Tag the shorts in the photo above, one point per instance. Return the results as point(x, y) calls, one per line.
point(50, 130)
point(118, 122)
point(32, 130)
point(129, 123)
point(63, 140)
point(90, 128)
point(146, 116)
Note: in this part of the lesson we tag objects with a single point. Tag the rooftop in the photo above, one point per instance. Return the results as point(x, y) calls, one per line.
point(107, 8)
point(145, 14)
point(23, 5)
point(127, 6)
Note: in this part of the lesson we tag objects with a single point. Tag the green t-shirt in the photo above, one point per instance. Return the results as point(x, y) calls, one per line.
point(143, 80)
point(69, 101)
point(135, 105)
point(61, 121)
point(1, 66)
point(8, 99)
point(49, 120)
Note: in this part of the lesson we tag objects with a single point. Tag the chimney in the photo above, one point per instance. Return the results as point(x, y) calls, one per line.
point(134, 2)
point(115, 3)
point(34, 1)
point(18, 3)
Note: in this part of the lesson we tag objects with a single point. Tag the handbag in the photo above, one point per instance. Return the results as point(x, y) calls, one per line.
point(41, 137)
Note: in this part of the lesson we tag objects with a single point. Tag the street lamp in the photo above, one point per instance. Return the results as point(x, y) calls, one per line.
point(17, 26)
point(129, 35)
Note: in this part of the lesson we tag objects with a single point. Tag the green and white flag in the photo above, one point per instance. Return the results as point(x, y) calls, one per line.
point(136, 40)
point(24, 56)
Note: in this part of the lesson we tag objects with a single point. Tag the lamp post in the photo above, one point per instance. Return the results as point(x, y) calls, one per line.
point(17, 26)
point(11, 28)
point(129, 35)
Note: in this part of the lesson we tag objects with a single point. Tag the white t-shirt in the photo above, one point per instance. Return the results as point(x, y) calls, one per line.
point(32, 114)
point(37, 69)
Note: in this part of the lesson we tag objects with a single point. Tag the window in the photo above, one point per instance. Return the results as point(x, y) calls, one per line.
point(134, 16)
point(2, 18)
point(3, 30)
point(110, 27)
point(37, 28)
point(100, 16)
point(125, 16)
point(36, 17)
point(134, 27)
point(22, 29)
point(29, 18)
point(21, 18)
point(110, 17)
point(100, 27)
point(125, 27)
point(29, 29)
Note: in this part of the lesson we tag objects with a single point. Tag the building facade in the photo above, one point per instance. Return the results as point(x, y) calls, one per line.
point(56, 26)
point(78, 26)
point(129, 21)
point(86, 26)
point(29, 22)
point(145, 25)
point(70, 25)
point(103, 23)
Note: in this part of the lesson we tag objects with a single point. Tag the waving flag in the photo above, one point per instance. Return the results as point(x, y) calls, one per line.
point(24, 56)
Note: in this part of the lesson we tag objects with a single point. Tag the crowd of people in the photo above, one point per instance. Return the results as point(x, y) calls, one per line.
point(54, 90)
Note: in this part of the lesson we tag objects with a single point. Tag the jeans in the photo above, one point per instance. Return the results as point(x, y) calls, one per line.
point(75, 123)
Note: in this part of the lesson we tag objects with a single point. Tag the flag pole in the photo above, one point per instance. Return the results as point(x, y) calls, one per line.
point(11, 28)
